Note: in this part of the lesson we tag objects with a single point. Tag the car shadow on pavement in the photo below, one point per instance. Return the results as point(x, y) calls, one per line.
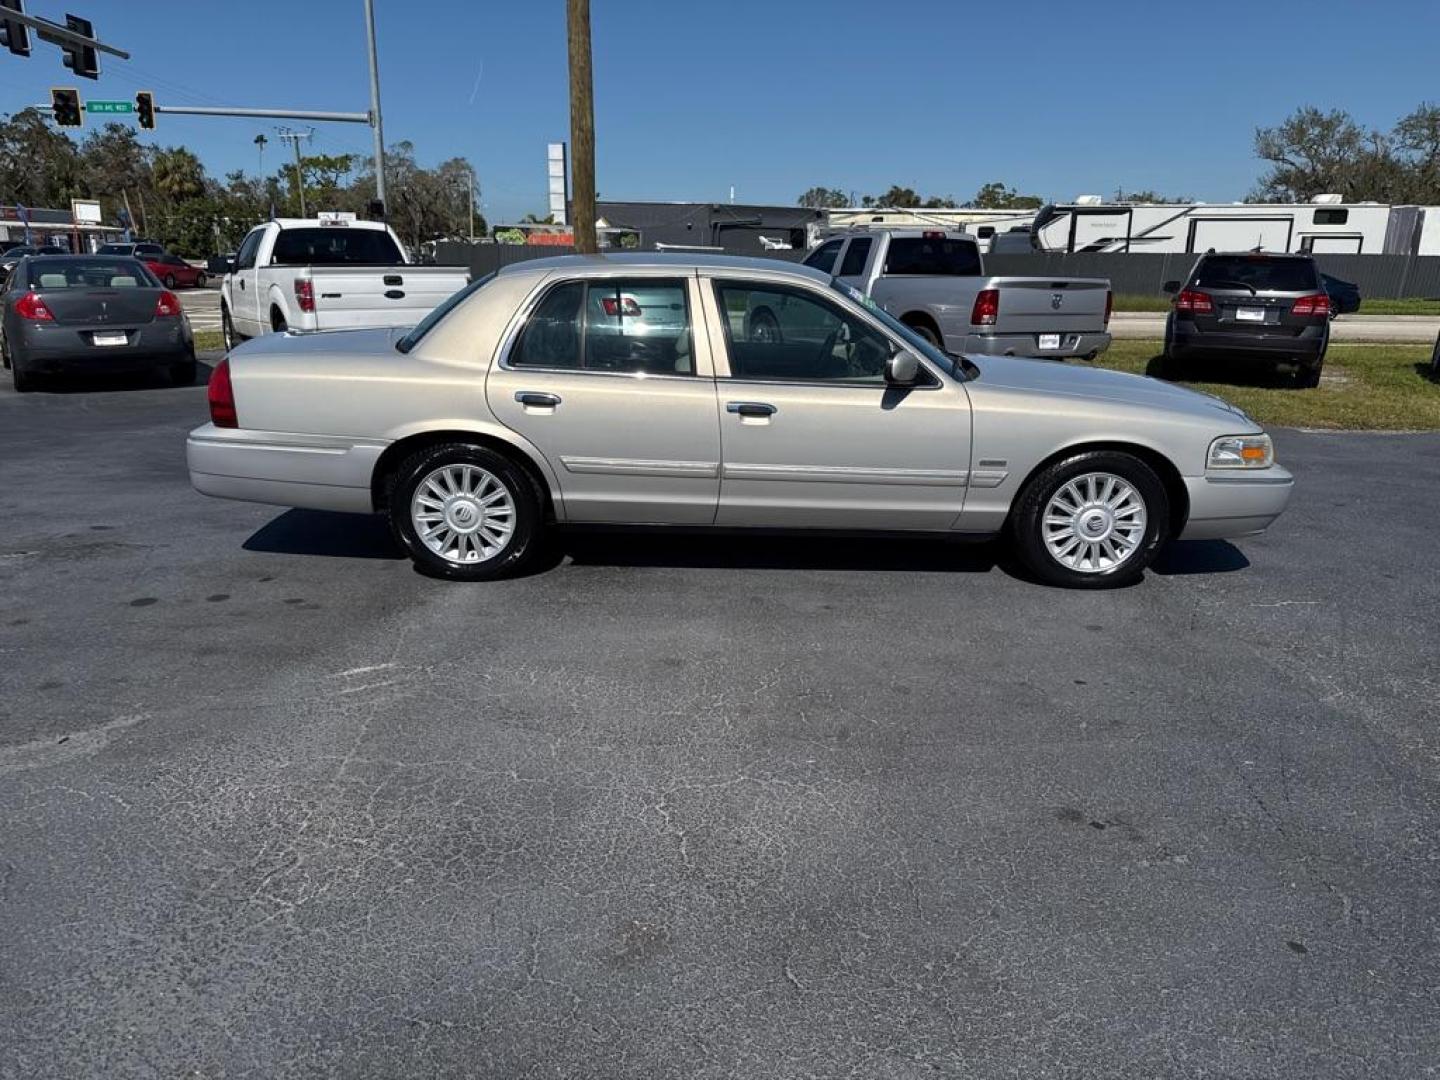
point(1261, 373)
point(1181, 557)
point(128, 382)
point(321, 532)
point(762, 551)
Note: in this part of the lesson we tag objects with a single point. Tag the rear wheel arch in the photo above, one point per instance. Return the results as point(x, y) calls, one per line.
point(400, 450)
point(1176, 492)
point(924, 321)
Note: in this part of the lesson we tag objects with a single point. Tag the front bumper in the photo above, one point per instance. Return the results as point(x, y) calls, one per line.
point(316, 472)
point(1072, 343)
point(1242, 504)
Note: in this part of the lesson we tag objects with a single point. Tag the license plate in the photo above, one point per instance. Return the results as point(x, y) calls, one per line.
point(1250, 314)
point(110, 339)
point(1049, 341)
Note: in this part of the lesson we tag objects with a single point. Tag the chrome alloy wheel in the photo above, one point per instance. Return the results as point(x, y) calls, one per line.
point(1094, 523)
point(463, 513)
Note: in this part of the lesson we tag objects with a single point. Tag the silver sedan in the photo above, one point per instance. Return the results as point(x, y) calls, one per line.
point(631, 390)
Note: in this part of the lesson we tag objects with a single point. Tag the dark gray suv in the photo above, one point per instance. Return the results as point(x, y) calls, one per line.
point(1270, 309)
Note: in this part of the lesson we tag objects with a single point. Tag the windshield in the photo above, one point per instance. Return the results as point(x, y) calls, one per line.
point(425, 325)
point(940, 359)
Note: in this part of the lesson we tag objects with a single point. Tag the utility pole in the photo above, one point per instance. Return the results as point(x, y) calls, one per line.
point(294, 137)
point(260, 142)
point(470, 208)
point(376, 127)
point(582, 126)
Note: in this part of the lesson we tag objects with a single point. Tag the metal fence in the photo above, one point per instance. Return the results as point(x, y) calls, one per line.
point(1379, 276)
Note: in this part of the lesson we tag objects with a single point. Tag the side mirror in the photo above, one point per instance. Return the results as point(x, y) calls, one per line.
point(230, 264)
point(1170, 286)
point(902, 369)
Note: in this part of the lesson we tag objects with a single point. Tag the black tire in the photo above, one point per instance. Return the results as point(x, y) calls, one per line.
point(22, 380)
point(227, 329)
point(277, 321)
point(518, 548)
point(1307, 376)
point(926, 332)
point(183, 373)
point(764, 327)
point(201, 281)
point(1027, 519)
point(170, 281)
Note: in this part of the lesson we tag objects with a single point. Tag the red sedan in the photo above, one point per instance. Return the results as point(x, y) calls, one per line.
point(175, 271)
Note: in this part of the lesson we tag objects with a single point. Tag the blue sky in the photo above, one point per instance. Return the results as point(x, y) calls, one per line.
point(1056, 98)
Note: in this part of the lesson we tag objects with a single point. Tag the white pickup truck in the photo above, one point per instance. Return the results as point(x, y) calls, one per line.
point(934, 281)
point(327, 273)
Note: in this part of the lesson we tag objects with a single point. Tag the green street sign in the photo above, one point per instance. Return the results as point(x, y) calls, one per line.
point(109, 106)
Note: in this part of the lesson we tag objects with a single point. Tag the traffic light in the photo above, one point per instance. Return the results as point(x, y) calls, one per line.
point(83, 60)
point(65, 106)
point(145, 109)
point(376, 210)
point(14, 36)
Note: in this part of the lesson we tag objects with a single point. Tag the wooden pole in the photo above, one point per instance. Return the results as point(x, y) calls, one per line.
point(582, 128)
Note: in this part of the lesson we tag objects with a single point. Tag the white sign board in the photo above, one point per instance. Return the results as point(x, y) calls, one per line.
point(85, 211)
point(556, 174)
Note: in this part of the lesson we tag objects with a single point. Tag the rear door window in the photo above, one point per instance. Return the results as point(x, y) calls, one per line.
point(823, 257)
point(855, 256)
point(1258, 272)
point(938, 256)
point(610, 324)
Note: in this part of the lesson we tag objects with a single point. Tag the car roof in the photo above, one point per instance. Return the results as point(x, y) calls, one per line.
point(672, 261)
point(1258, 255)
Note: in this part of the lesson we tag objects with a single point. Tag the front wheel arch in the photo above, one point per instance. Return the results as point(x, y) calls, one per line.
point(1176, 492)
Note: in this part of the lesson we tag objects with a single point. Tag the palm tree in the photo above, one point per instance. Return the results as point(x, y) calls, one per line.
point(178, 174)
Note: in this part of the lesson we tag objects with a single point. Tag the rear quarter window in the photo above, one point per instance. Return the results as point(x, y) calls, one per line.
point(933, 257)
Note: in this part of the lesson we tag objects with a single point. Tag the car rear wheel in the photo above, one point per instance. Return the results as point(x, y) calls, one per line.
point(277, 321)
point(183, 373)
point(925, 332)
point(1094, 520)
point(465, 513)
point(1307, 376)
point(200, 281)
point(170, 281)
point(22, 380)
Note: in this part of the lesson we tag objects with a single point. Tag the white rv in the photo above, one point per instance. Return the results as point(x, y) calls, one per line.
point(1324, 226)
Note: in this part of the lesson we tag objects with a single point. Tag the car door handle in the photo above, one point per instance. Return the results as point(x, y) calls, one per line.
point(750, 408)
point(533, 399)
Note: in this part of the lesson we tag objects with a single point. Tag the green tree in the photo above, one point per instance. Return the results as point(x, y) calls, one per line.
point(823, 198)
point(178, 174)
point(39, 165)
point(897, 197)
point(996, 196)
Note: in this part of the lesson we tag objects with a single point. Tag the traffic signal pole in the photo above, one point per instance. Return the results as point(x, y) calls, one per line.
point(377, 127)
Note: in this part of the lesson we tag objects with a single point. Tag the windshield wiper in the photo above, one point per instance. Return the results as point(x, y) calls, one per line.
point(1243, 284)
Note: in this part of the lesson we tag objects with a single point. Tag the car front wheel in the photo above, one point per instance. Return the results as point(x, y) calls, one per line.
point(1094, 520)
point(464, 512)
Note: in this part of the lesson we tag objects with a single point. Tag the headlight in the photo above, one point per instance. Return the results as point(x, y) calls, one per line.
point(1241, 452)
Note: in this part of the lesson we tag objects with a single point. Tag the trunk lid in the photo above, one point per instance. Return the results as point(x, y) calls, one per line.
point(1050, 305)
point(106, 308)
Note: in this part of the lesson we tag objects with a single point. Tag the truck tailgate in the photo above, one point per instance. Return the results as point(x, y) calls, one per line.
point(1048, 305)
point(351, 297)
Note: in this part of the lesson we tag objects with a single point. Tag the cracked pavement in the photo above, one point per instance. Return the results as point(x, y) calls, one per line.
point(274, 805)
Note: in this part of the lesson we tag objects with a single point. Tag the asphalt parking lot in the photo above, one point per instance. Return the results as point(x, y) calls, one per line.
point(275, 805)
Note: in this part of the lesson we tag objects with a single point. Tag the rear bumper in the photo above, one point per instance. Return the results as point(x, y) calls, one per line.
point(1241, 505)
point(1072, 343)
point(1308, 345)
point(45, 349)
point(314, 472)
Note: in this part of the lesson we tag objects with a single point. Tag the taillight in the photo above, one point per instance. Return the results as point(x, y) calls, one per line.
point(305, 294)
point(1109, 305)
point(986, 309)
point(1319, 304)
point(31, 307)
point(222, 397)
point(626, 306)
point(168, 306)
point(1194, 300)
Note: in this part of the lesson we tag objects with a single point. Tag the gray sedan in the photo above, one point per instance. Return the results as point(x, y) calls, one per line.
point(91, 314)
point(622, 391)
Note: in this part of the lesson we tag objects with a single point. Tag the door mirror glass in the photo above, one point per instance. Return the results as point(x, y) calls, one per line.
point(902, 369)
point(1170, 286)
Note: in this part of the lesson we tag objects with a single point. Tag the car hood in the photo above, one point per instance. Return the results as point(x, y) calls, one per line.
point(1052, 377)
